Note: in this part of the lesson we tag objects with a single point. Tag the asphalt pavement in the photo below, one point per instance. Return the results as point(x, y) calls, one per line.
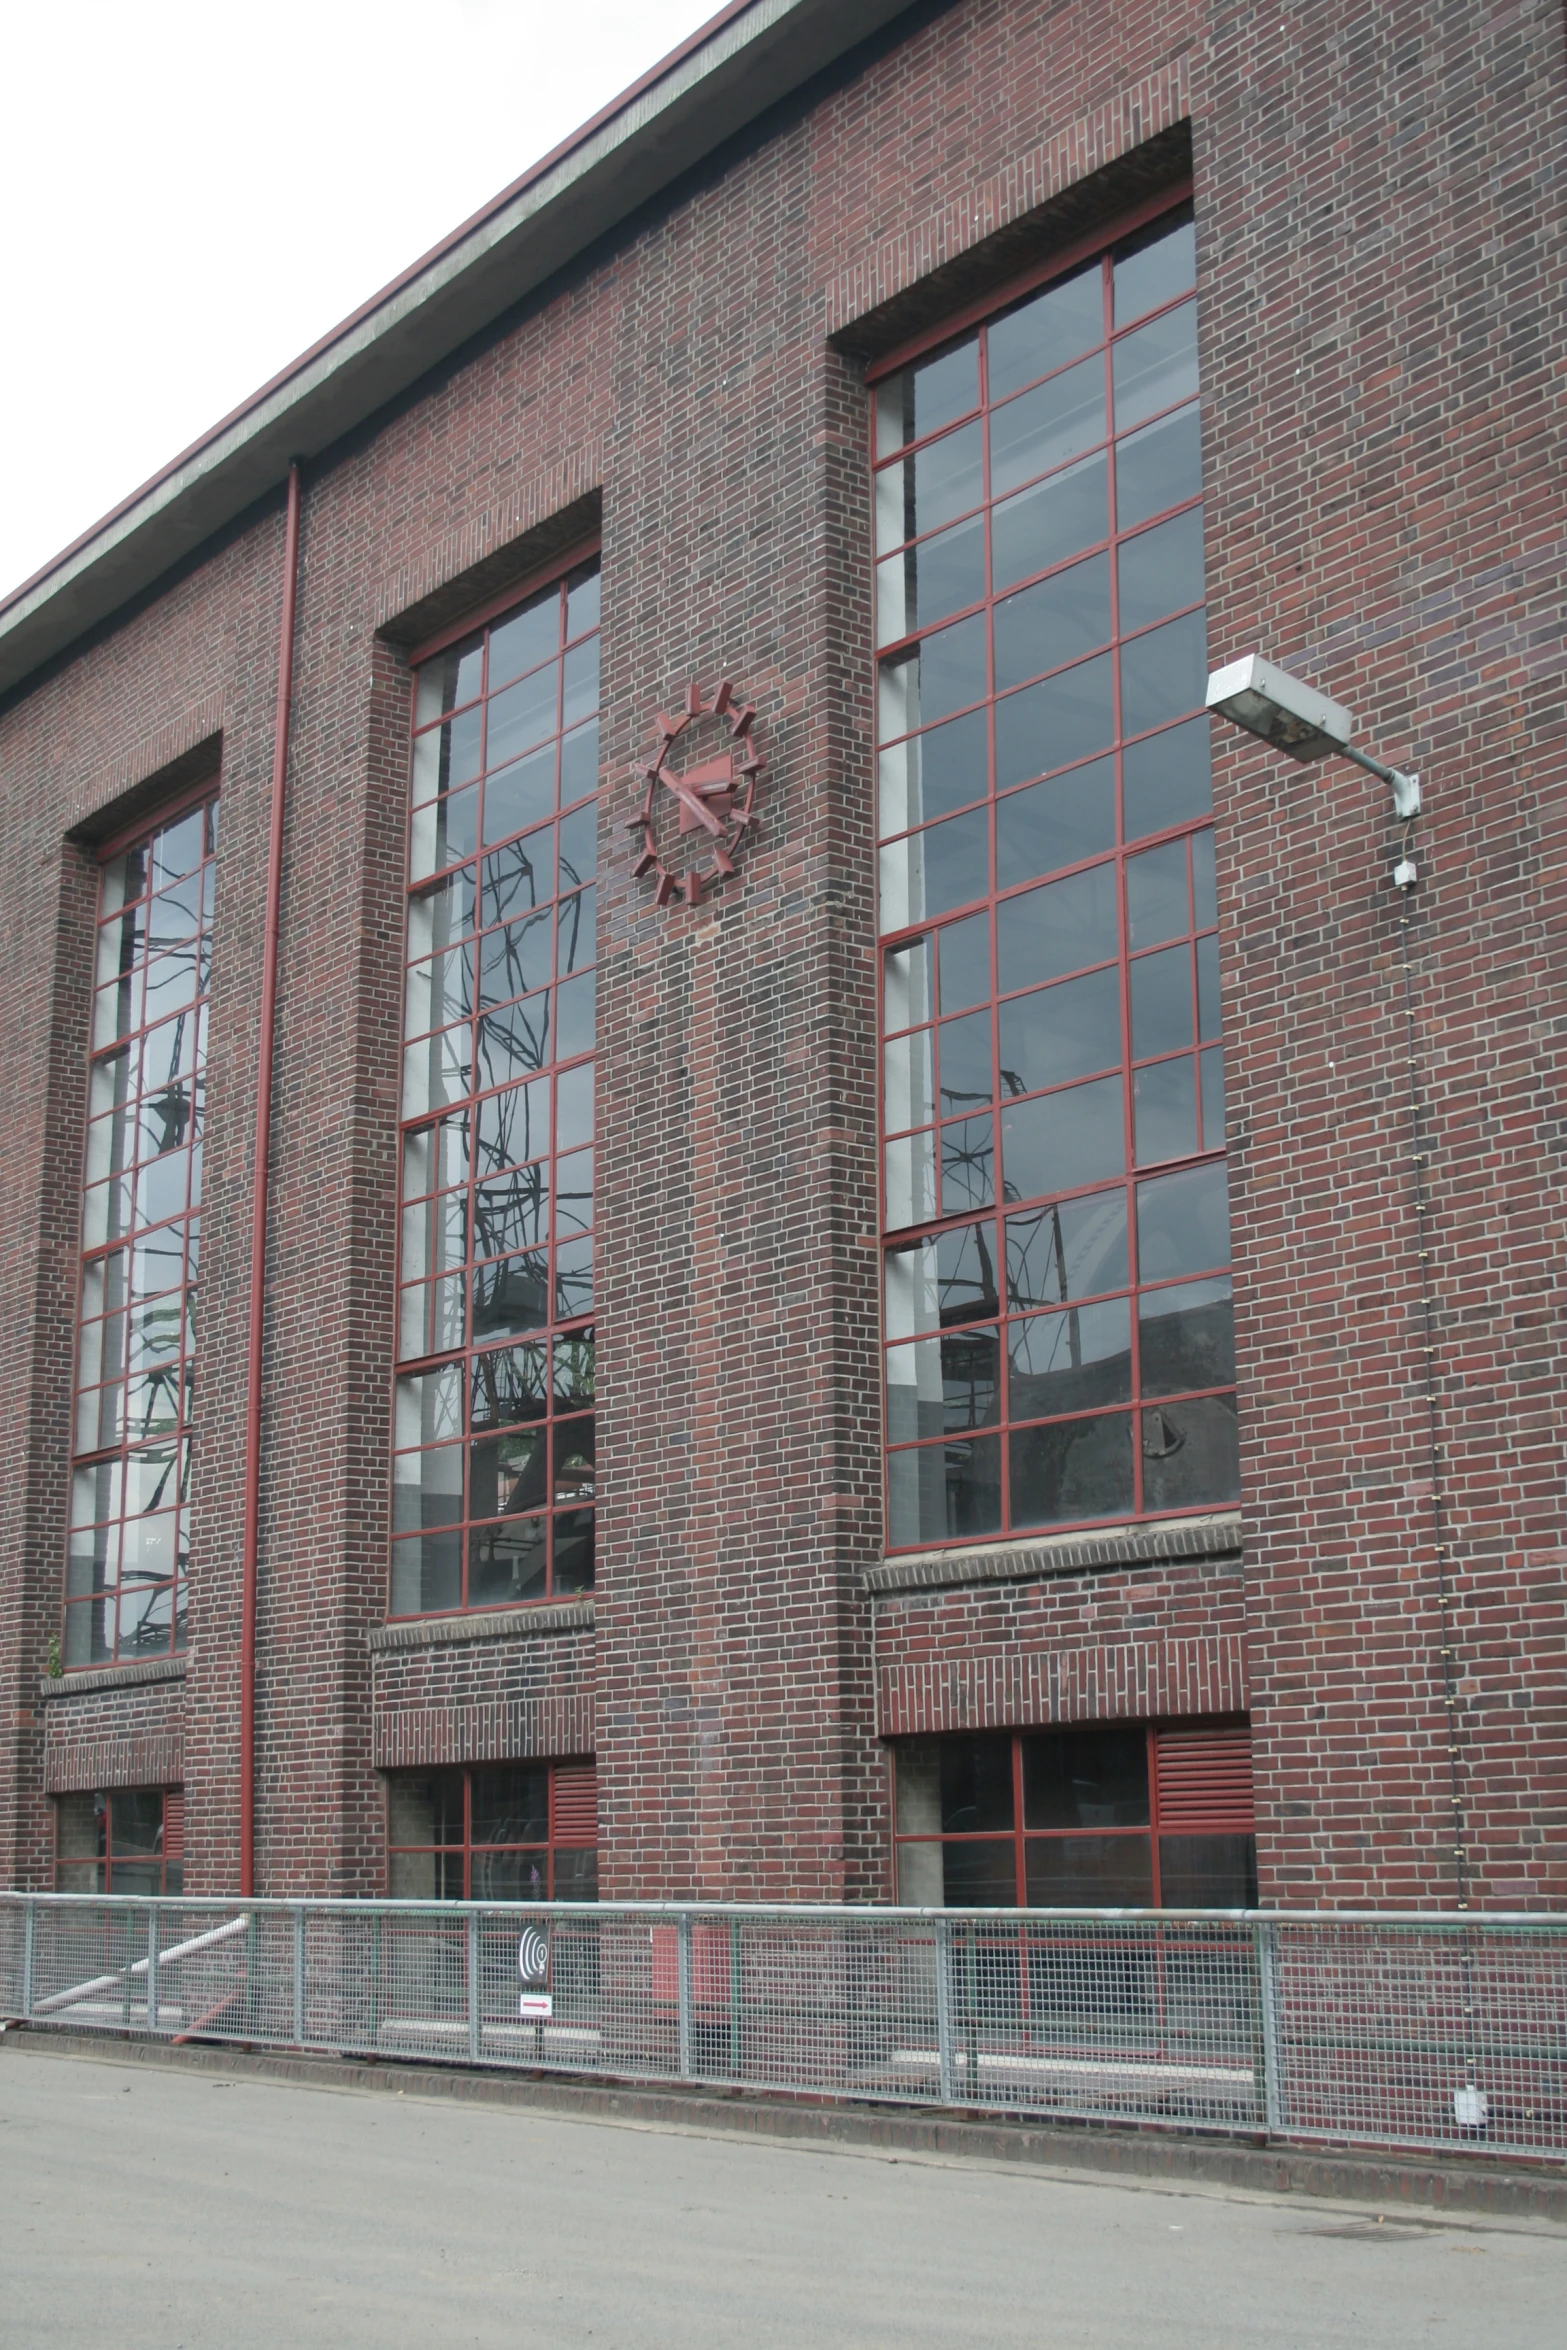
point(154, 2208)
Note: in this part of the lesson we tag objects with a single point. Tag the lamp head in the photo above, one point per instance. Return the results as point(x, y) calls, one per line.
point(1270, 703)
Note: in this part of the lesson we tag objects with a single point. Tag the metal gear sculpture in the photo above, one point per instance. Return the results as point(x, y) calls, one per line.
point(714, 797)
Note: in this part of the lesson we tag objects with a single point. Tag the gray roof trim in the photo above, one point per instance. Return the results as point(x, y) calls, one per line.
point(747, 59)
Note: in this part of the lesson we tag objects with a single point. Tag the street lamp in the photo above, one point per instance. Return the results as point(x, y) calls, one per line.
point(1304, 724)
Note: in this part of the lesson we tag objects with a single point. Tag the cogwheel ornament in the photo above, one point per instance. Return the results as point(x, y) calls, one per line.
point(713, 797)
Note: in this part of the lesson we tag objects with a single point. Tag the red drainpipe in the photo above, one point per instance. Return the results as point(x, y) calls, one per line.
point(258, 1205)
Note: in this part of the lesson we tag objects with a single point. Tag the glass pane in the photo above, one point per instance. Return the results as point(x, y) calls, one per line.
point(910, 1181)
point(424, 1807)
point(926, 583)
point(1160, 570)
point(512, 1043)
point(508, 1562)
point(965, 963)
point(427, 1489)
point(917, 1782)
point(1191, 1454)
point(513, 1126)
point(1066, 926)
point(574, 1108)
point(1070, 1360)
point(1065, 615)
point(511, 1293)
point(1161, 1002)
point(1071, 1469)
point(1075, 1250)
point(580, 683)
point(1089, 1872)
point(1155, 366)
point(967, 1056)
point(943, 481)
point(1167, 778)
point(1207, 987)
point(1164, 1111)
point(1157, 906)
point(1183, 1223)
point(576, 1013)
point(976, 1784)
point(1159, 467)
point(1042, 526)
point(1204, 880)
point(1062, 719)
point(519, 876)
point(932, 774)
point(1061, 1032)
point(943, 674)
point(967, 1165)
point(1154, 268)
point(921, 399)
point(576, 1876)
point(439, 991)
point(452, 678)
point(930, 872)
point(1086, 1779)
point(573, 1193)
point(579, 763)
point(942, 1282)
point(1186, 1337)
point(1056, 823)
point(1212, 1064)
point(512, 1806)
point(517, 959)
point(1208, 1872)
point(507, 1475)
point(520, 795)
point(573, 1551)
point(1064, 1140)
point(979, 1876)
point(429, 1408)
point(908, 1082)
point(939, 1386)
point(1041, 429)
point(1164, 673)
point(906, 991)
point(582, 600)
point(526, 639)
point(945, 1492)
point(523, 715)
point(1045, 332)
point(426, 1574)
point(508, 1384)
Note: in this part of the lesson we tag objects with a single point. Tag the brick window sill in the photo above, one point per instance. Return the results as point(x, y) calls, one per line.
point(511, 1623)
point(131, 1676)
point(1217, 1536)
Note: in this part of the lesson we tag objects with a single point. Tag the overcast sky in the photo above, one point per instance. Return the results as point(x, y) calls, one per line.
point(193, 194)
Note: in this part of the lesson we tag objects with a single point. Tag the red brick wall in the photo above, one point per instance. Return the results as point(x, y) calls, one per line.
point(1384, 511)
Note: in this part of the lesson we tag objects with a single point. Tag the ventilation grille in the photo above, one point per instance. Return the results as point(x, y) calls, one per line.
point(174, 1823)
point(1204, 1782)
point(576, 1802)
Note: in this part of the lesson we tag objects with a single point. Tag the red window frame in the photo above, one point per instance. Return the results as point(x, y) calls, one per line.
point(510, 1407)
point(572, 1829)
point(136, 1863)
point(946, 1130)
point(1199, 1785)
point(127, 1566)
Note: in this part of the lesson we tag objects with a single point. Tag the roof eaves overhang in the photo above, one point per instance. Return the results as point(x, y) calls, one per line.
point(746, 60)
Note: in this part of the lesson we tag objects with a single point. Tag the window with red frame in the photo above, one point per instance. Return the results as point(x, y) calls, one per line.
point(1057, 1306)
point(128, 1840)
point(1134, 1815)
point(129, 1544)
point(507, 1832)
point(493, 1464)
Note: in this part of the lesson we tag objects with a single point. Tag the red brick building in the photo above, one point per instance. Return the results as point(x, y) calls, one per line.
point(1060, 1255)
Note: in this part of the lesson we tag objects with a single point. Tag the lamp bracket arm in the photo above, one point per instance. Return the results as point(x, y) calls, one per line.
point(1406, 788)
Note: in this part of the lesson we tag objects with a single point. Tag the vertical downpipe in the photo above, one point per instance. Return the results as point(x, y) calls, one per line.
point(258, 1204)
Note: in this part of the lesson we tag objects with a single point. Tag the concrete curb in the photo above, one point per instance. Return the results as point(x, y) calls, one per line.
point(1505, 2190)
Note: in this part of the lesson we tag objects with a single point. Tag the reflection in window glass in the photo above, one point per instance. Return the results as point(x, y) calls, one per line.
point(122, 1840)
point(1053, 1082)
point(127, 1557)
point(493, 1469)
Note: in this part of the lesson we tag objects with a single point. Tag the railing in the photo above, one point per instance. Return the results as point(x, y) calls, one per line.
point(1415, 2031)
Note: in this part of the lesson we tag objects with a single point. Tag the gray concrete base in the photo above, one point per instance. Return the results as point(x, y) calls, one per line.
point(1499, 2189)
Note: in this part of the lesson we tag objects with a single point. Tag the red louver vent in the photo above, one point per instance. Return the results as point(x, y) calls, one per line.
point(1204, 1782)
point(174, 1823)
point(576, 1803)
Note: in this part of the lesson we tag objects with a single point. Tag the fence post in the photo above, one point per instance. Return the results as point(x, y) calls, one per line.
point(29, 1942)
point(475, 2013)
point(948, 2068)
point(683, 1992)
point(1272, 2043)
point(152, 1967)
point(736, 2051)
point(299, 1974)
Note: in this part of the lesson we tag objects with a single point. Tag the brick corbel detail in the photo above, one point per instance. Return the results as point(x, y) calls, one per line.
point(500, 1730)
point(1127, 1681)
point(79, 1765)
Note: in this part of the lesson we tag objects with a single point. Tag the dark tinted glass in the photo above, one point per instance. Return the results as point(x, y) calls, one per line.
point(1208, 1872)
point(979, 1876)
point(1086, 1779)
point(1191, 1454)
point(1070, 1360)
point(1089, 1872)
point(511, 1806)
point(976, 1784)
point(1187, 1337)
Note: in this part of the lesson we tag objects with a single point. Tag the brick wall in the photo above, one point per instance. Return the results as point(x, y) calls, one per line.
point(1381, 270)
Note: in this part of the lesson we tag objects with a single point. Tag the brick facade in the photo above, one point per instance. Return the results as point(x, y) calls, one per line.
point(1381, 273)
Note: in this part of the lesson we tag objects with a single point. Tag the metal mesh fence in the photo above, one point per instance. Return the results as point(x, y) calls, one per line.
point(1409, 2031)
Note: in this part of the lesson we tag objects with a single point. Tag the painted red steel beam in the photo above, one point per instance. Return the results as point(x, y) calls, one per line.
point(258, 1201)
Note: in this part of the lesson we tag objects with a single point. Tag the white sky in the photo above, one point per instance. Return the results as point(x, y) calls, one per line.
point(194, 193)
